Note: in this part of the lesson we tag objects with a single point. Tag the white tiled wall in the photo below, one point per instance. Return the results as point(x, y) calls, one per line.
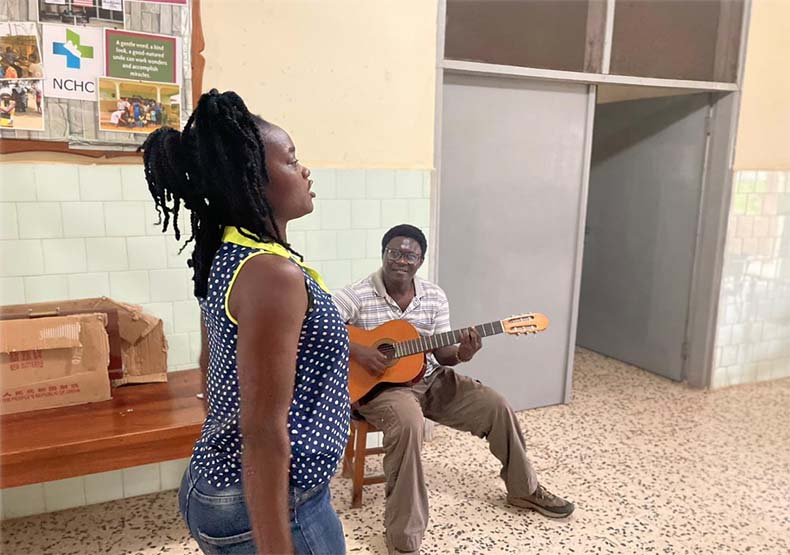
point(753, 335)
point(71, 231)
point(92, 488)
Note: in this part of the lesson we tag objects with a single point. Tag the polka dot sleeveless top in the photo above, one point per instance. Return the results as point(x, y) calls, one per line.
point(318, 420)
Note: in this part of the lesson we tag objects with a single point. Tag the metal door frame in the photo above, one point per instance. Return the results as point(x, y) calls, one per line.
point(716, 186)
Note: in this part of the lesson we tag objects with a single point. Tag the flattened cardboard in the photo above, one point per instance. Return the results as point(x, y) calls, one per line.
point(143, 347)
point(53, 362)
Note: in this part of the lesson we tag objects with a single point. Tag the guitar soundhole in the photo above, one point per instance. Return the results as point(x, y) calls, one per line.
point(387, 349)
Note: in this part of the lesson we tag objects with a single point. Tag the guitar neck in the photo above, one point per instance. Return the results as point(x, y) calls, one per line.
point(429, 343)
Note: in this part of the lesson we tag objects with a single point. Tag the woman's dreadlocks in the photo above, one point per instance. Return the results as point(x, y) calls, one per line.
point(216, 168)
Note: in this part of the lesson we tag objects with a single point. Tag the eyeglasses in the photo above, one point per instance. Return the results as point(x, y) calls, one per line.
point(394, 255)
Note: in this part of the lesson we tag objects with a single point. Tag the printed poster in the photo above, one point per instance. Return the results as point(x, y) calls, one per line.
point(180, 2)
point(73, 57)
point(21, 104)
point(142, 56)
point(138, 106)
point(85, 13)
point(19, 51)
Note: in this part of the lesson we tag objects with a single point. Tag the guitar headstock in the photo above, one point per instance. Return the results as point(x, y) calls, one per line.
point(525, 324)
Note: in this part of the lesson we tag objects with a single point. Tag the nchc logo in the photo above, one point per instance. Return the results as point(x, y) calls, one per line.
point(73, 58)
point(74, 85)
point(72, 50)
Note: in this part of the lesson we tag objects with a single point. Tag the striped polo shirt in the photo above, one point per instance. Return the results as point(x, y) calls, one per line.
point(366, 304)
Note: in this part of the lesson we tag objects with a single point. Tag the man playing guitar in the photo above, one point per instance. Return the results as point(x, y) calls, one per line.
point(395, 292)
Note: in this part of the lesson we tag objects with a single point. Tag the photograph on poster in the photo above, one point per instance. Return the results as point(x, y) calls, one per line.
point(174, 2)
point(22, 104)
point(92, 13)
point(137, 106)
point(20, 52)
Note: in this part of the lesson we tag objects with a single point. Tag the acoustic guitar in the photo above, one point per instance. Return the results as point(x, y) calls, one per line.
point(405, 348)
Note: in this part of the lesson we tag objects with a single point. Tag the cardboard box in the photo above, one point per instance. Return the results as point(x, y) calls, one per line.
point(53, 362)
point(138, 348)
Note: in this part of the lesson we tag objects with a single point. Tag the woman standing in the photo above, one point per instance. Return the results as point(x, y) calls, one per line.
point(275, 351)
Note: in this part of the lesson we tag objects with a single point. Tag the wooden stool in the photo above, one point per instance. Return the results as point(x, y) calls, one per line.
point(354, 459)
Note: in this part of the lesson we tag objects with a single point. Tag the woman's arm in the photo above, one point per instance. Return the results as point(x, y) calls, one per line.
point(269, 302)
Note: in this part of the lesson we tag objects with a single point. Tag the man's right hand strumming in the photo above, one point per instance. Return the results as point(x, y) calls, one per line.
point(371, 359)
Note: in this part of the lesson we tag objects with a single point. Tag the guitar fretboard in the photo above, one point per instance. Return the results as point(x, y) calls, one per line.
point(424, 344)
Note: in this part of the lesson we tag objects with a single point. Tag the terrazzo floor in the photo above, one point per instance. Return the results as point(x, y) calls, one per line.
point(653, 466)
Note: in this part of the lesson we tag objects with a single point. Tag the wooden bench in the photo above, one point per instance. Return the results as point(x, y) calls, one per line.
point(142, 424)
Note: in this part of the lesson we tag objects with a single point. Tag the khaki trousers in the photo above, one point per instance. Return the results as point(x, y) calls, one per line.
point(456, 401)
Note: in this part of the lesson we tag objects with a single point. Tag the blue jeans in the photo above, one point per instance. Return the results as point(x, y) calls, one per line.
point(218, 520)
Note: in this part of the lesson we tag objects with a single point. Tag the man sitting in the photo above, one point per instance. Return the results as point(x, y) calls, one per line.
point(395, 292)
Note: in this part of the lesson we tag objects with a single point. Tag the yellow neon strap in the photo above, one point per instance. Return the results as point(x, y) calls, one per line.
point(232, 281)
point(232, 235)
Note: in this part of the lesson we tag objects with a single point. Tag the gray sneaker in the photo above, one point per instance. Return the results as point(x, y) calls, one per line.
point(391, 550)
point(545, 502)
